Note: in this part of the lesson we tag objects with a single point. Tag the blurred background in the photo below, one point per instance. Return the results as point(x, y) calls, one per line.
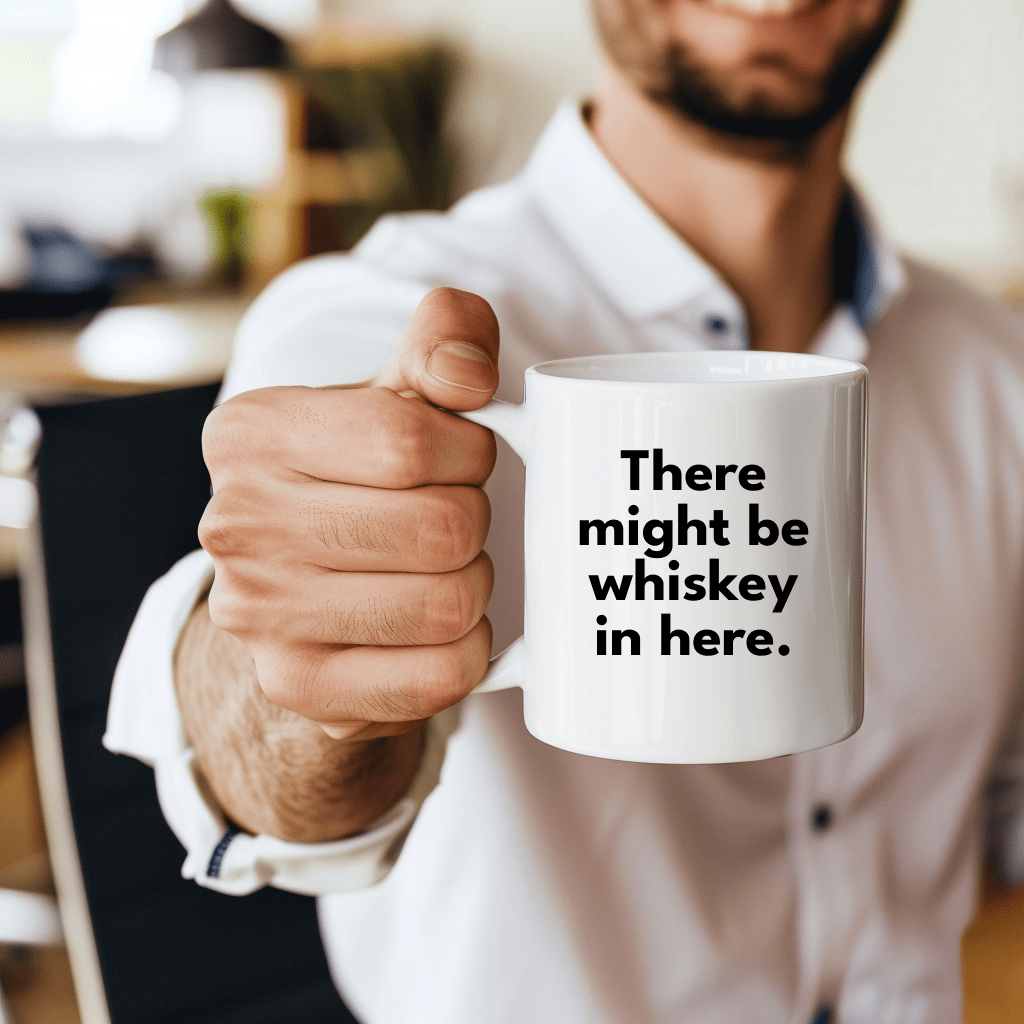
point(258, 133)
point(161, 160)
point(147, 158)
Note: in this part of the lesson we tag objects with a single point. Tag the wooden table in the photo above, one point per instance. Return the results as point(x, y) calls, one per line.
point(38, 359)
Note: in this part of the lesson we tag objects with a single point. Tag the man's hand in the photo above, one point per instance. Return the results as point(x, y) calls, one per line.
point(347, 528)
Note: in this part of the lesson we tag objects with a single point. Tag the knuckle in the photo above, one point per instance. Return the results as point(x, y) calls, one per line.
point(441, 680)
point(279, 686)
point(214, 429)
point(447, 535)
point(232, 431)
point(276, 690)
point(226, 523)
point(291, 679)
point(228, 609)
point(215, 533)
point(449, 605)
point(405, 445)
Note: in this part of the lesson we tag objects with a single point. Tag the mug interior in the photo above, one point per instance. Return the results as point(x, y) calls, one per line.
point(695, 367)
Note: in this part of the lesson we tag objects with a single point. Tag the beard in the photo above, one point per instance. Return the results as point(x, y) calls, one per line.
point(677, 80)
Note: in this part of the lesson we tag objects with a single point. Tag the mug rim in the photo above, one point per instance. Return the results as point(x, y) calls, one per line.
point(826, 368)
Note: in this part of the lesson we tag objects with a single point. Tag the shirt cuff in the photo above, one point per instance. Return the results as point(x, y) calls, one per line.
point(144, 721)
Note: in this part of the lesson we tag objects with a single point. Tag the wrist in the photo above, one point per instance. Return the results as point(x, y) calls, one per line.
point(271, 770)
point(327, 789)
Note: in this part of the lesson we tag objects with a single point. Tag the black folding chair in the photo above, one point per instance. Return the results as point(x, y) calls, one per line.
point(121, 488)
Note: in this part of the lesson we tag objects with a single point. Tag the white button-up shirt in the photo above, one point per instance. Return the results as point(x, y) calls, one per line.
point(542, 886)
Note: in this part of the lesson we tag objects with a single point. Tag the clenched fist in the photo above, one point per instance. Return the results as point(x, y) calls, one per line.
point(347, 528)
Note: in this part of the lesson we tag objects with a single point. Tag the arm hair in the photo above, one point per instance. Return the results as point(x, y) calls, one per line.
point(270, 769)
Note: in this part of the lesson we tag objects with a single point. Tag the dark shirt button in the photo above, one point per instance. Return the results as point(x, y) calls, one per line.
point(821, 821)
point(715, 324)
point(823, 1015)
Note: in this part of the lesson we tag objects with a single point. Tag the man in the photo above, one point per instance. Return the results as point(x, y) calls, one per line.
point(698, 201)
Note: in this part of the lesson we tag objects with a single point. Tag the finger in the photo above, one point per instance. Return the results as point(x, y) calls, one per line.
point(383, 609)
point(448, 353)
point(348, 688)
point(369, 436)
point(345, 527)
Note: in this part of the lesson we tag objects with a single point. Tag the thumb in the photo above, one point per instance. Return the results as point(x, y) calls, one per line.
point(448, 353)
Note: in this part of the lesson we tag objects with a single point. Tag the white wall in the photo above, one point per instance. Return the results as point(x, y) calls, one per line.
point(519, 57)
point(938, 143)
point(939, 139)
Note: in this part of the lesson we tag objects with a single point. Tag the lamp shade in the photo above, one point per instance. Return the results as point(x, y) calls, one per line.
point(217, 36)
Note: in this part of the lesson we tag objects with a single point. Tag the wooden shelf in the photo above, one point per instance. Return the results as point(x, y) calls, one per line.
point(363, 115)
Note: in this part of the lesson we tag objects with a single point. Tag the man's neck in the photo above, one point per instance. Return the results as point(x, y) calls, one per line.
point(764, 218)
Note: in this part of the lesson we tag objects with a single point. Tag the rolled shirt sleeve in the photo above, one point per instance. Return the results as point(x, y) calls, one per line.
point(144, 722)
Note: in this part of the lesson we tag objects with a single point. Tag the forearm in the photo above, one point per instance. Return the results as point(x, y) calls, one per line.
point(270, 769)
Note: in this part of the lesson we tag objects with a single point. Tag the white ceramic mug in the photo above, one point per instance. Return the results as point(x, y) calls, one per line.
point(694, 541)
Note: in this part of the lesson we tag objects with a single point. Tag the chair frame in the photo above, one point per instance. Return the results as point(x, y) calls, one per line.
point(70, 914)
point(257, 960)
point(44, 722)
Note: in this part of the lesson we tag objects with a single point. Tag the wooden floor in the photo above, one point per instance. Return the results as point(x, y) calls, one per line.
point(993, 959)
point(36, 983)
point(40, 990)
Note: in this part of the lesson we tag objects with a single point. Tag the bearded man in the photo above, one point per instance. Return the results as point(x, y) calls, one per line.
point(308, 716)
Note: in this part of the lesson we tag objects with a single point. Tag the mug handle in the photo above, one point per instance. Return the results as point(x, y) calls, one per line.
point(511, 423)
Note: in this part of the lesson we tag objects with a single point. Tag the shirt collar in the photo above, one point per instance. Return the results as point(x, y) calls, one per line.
point(594, 209)
point(880, 272)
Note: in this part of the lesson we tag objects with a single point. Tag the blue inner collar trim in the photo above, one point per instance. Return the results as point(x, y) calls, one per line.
point(867, 288)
